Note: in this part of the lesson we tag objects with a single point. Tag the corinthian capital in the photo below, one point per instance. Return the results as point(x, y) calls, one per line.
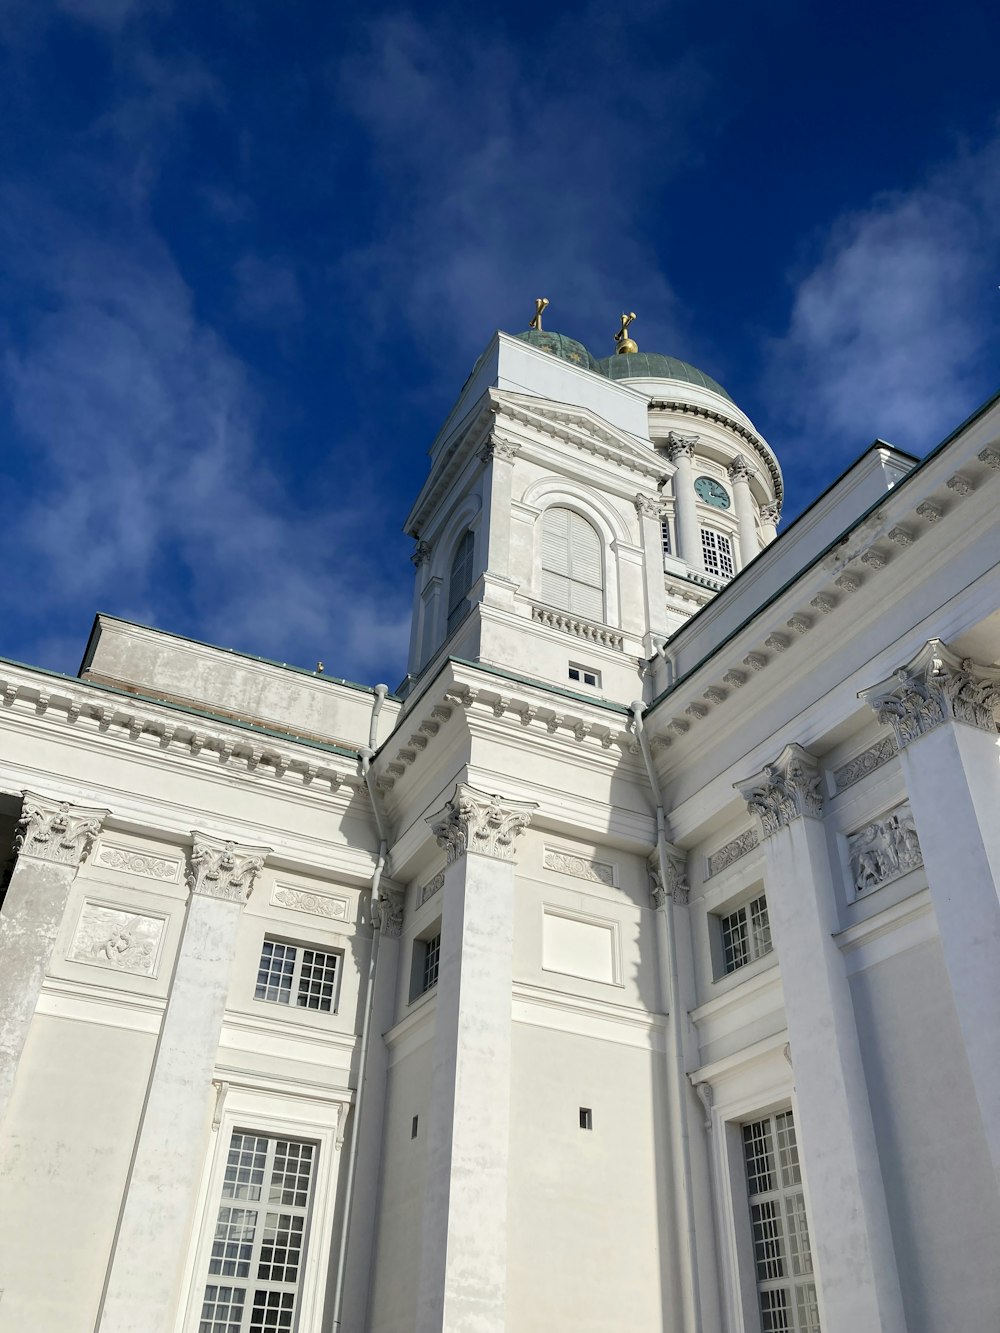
point(497, 447)
point(937, 686)
point(680, 445)
point(475, 821)
point(648, 506)
point(739, 470)
point(221, 869)
point(56, 831)
point(421, 553)
point(770, 514)
point(676, 886)
point(784, 791)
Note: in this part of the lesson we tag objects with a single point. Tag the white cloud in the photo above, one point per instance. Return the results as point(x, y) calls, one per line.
point(890, 331)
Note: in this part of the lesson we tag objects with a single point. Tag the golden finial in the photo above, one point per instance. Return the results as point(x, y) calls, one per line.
point(625, 343)
point(540, 303)
point(319, 668)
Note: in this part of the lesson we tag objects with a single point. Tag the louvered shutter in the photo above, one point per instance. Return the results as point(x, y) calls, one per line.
point(572, 568)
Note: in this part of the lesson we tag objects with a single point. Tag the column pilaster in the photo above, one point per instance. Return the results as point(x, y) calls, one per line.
point(857, 1279)
point(463, 1264)
point(651, 512)
point(498, 454)
point(52, 842)
point(740, 473)
point(421, 562)
point(769, 516)
point(942, 708)
point(680, 451)
point(154, 1231)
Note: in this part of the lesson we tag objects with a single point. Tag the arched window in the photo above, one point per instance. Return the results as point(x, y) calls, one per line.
point(572, 569)
point(460, 579)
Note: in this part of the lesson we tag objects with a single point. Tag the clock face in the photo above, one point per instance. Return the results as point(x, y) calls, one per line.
point(712, 492)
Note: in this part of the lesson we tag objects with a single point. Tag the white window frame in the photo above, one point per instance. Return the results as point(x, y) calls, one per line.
point(429, 939)
point(272, 1115)
point(291, 1004)
point(582, 673)
point(572, 580)
point(457, 606)
point(758, 937)
point(717, 536)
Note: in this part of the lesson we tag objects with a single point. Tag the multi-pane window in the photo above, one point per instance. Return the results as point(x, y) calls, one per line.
point(665, 536)
point(432, 962)
point(460, 579)
point(572, 564)
point(782, 1254)
point(746, 934)
point(584, 675)
point(717, 551)
point(293, 974)
point(260, 1234)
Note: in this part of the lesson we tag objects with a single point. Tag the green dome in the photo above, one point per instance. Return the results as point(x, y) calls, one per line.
point(651, 365)
point(567, 349)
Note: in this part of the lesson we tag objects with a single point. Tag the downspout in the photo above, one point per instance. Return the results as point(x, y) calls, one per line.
point(365, 758)
point(667, 942)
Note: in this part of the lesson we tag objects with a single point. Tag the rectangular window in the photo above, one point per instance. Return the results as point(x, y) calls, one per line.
point(746, 934)
point(665, 534)
point(718, 554)
point(584, 675)
point(292, 970)
point(432, 959)
point(782, 1254)
point(259, 1245)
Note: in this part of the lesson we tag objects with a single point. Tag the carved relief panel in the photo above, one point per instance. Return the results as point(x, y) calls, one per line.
point(115, 938)
point(883, 850)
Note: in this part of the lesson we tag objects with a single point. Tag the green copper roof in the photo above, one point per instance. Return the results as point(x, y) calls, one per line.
point(567, 349)
point(651, 365)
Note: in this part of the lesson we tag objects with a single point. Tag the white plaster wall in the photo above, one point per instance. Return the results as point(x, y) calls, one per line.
point(64, 1156)
point(943, 1207)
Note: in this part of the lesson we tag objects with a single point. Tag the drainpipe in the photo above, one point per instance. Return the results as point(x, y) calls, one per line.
point(365, 757)
point(667, 948)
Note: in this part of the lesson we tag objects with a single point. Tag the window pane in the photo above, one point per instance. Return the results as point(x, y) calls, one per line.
point(808, 1308)
point(245, 1168)
point(222, 1310)
point(572, 564)
point(788, 1151)
point(272, 1309)
point(798, 1235)
point(317, 980)
point(274, 976)
point(233, 1245)
point(432, 958)
point(759, 1156)
point(760, 927)
point(775, 1316)
point(735, 940)
point(281, 1249)
point(292, 1169)
point(768, 1240)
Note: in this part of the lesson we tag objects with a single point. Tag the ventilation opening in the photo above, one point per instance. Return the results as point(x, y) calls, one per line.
point(413, 1126)
point(586, 1118)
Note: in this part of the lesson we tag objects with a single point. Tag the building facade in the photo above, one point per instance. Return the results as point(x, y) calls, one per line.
point(634, 966)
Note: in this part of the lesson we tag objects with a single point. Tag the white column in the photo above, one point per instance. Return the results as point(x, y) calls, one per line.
point(52, 843)
point(463, 1261)
point(143, 1288)
point(769, 516)
point(857, 1278)
point(740, 473)
point(421, 563)
point(942, 711)
point(498, 587)
point(650, 512)
point(680, 451)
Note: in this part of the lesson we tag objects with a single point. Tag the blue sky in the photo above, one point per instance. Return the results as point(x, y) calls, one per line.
point(250, 249)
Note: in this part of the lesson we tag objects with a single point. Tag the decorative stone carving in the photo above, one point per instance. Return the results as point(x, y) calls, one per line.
point(937, 686)
point(680, 445)
point(581, 867)
point(705, 1096)
point(823, 603)
point(960, 484)
point(755, 661)
point(848, 583)
point(715, 695)
point(864, 763)
point(649, 506)
point(696, 710)
point(770, 514)
point(734, 678)
point(799, 623)
point(884, 849)
point(930, 511)
point(784, 791)
point(498, 448)
point(991, 457)
point(583, 629)
point(387, 913)
point(873, 559)
point(111, 937)
point(221, 869)
point(161, 868)
point(314, 904)
point(678, 726)
point(56, 831)
point(477, 821)
point(421, 553)
point(676, 887)
point(739, 470)
point(732, 851)
point(901, 536)
point(430, 888)
point(776, 642)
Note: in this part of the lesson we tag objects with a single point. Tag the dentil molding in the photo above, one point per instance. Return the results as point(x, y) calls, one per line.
point(784, 791)
point(476, 821)
point(221, 869)
point(937, 686)
point(56, 831)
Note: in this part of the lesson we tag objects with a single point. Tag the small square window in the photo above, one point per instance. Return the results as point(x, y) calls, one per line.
point(292, 970)
point(586, 1118)
point(585, 675)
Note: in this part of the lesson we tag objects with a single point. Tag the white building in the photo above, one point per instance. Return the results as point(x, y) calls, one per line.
point(506, 1002)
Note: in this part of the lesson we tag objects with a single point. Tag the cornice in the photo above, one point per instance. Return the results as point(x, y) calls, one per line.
point(100, 715)
point(759, 447)
point(819, 595)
